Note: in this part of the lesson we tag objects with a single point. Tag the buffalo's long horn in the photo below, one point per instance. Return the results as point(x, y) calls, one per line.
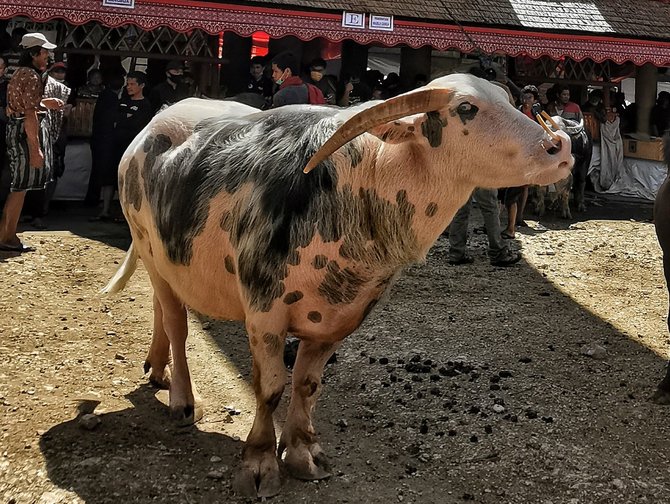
point(405, 105)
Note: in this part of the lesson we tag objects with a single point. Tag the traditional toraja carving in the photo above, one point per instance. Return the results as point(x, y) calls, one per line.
point(184, 15)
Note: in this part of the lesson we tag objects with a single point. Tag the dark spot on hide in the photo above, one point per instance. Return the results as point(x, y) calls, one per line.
point(432, 127)
point(319, 261)
point(157, 144)
point(229, 264)
point(465, 132)
point(272, 343)
point(139, 232)
point(410, 128)
point(311, 386)
point(253, 340)
point(431, 209)
point(171, 189)
point(314, 316)
point(133, 189)
point(154, 146)
point(354, 153)
point(374, 224)
point(340, 286)
point(293, 258)
point(293, 297)
point(121, 184)
point(226, 221)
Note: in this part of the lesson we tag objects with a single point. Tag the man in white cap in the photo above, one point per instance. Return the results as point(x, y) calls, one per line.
point(27, 146)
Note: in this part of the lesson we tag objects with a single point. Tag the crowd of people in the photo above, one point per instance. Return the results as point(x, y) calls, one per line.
point(35, 100)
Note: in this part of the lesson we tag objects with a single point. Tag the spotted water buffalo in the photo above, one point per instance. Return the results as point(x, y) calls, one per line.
point(227, 222)
point(559, 192)
point(662, 223)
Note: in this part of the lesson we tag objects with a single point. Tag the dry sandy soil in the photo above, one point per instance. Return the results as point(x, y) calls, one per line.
point(471, 384)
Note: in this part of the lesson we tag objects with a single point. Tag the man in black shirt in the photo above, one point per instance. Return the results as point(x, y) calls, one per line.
point(326, 83)
point(259, 83)
point(172, 89)
point(134, 114)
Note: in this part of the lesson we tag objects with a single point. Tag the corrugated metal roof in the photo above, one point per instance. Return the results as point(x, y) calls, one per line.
point(630, 18)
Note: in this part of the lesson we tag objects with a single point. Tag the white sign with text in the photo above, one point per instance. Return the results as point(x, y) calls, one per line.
point(353, 19)
point(126, 4)
point(384, 23)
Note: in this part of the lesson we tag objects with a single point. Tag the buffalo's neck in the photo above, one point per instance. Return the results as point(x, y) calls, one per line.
point(420, 199)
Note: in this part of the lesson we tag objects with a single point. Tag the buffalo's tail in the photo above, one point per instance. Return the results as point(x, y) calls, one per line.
point(123, 274)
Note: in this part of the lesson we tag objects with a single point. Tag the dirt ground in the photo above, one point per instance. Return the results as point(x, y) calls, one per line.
point(527, 384)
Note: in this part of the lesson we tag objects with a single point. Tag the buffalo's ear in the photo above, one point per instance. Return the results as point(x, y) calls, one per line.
point(395, 132)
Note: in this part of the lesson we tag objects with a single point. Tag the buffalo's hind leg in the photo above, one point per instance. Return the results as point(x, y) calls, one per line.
point(158, 359)
point(304, 457)
point(185, 404)
point(259, 474)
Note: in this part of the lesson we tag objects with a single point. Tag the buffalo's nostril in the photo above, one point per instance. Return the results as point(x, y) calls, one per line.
point(551, 147)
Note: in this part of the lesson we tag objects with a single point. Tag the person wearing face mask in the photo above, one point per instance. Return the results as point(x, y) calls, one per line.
point(326, 83)
point(172, 89)
point(292, 90)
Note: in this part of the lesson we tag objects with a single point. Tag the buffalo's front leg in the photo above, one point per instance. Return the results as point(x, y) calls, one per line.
point(304, 458)
point(259, 474)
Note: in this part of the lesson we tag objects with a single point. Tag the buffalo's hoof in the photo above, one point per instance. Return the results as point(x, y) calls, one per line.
point(306, 463)
point(316, 469)
point(159, 378)
point(187, 415)
point(258, 477)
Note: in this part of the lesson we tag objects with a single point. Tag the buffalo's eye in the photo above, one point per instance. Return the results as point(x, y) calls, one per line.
point(464, 108)
point(466, 111)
